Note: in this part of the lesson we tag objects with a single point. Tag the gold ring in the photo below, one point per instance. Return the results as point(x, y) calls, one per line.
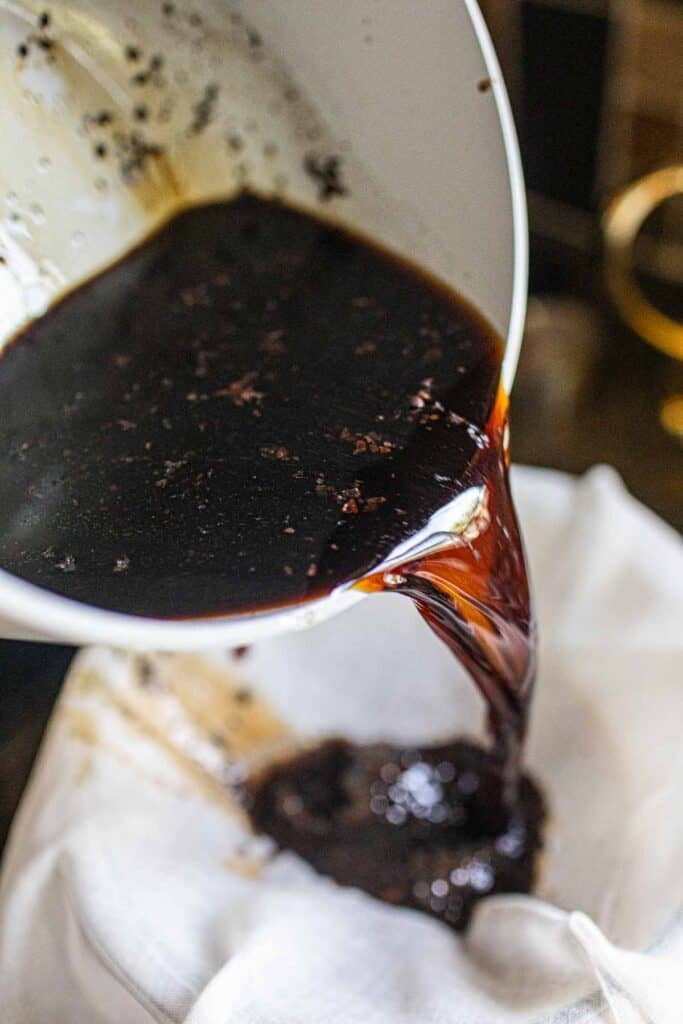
point(621, 224)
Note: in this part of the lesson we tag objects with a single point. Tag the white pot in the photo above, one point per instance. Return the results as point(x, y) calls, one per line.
point(410, 95)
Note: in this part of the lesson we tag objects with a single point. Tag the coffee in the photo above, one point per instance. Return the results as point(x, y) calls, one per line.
point(253, 408)
point(425, 828)
point(231, 418)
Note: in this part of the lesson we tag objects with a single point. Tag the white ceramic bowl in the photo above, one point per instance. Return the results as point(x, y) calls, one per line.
point(410, 96)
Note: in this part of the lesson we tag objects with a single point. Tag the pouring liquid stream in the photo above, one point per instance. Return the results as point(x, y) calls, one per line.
point(248, 411)
point(474, 594)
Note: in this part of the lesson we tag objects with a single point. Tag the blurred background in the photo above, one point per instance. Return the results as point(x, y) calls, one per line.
point(597, 89)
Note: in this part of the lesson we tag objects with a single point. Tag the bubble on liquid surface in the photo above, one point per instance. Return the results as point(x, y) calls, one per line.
point(481, 876)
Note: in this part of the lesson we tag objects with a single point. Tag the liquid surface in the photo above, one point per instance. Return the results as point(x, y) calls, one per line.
point(420, 828)
point(249, 410)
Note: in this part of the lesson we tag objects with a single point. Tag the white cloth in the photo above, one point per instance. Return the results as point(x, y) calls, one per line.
point(131, 890)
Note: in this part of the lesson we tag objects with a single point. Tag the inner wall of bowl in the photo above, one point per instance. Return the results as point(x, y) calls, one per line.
point(116, 113)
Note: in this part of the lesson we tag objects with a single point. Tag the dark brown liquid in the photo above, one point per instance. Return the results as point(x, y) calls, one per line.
point(251, 409)
point(422, 828)
point(474, 593)
point(226, 420)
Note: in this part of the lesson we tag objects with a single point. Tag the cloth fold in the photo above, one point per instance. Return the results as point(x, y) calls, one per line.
point(132, 888)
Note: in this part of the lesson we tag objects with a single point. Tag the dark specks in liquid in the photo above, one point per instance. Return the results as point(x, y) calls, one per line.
point(248, 410)
point(245, 371)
